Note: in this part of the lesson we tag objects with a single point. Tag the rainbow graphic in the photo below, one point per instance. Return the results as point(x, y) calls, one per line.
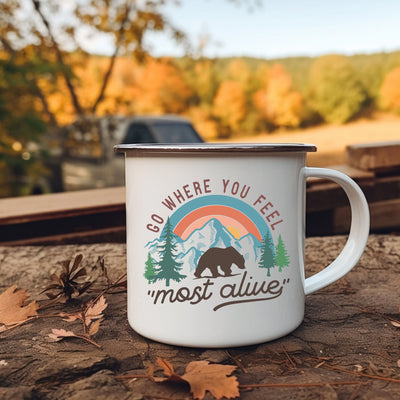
point(238, 217)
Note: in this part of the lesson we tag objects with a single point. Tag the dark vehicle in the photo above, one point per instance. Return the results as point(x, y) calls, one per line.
point(89, 159)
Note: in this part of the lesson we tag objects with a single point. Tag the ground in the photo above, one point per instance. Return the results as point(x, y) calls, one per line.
point(346, 328)
point(331, 140)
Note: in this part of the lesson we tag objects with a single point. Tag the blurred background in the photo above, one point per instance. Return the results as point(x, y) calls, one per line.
point(75, 74)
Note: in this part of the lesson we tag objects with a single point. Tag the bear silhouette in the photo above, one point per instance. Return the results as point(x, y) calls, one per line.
point(222, 257)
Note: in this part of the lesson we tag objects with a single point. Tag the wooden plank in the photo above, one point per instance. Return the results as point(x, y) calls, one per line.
point(378, 157)
point(385, 217)
point(60, 205)
point(327, 196)
point(109, 235)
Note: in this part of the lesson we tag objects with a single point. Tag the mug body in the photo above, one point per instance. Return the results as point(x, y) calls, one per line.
point(215, 242)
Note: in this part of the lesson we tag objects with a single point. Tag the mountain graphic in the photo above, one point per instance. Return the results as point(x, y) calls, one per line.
point(211, 234)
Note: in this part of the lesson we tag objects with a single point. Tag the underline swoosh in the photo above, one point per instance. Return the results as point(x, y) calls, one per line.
point(229, 303)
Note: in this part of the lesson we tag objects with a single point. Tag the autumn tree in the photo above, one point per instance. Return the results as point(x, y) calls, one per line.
point(230, 106)
point(390, 91)
point(201, 76)
point(160, 88)
point(278, 103)
point(238, 70)
point(121, 24)
point(335, 91)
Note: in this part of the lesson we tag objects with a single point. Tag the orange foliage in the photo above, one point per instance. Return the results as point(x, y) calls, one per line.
point(239, 71)
point(202, 120)
point(390, 91)
point(230, 104)
point(278, 103)
point(58, 99)
point(160, 88)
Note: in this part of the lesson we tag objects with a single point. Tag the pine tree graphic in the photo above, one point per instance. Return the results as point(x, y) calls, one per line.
point(168, 267)
point(150, 271)
point(267, 259)
point(281, 256)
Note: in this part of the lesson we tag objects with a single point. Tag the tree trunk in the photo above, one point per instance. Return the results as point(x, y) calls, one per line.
point(71, 89)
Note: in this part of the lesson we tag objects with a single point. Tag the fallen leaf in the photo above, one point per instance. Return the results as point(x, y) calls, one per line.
point(68, 284)
point(395, 323)
point(202, 377)
point(95, 311)
point(12, 309)
point(168, 370)
point(71, 317)
point(94, 327)
point(91, 318)
point(59, 334)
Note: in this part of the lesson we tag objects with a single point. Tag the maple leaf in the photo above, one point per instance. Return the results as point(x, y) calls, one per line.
point(12, 309)
point(202, 377)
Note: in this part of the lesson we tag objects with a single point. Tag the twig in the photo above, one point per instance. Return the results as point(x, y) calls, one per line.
point(258, 385)
point(88, 339)
point(130, 377)
point(237, 362)
point(321, 384)
point(381, 378)
point(293, 364)
point(364, 310)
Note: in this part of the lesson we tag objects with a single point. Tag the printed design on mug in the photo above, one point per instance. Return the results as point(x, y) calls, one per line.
point(213, 237)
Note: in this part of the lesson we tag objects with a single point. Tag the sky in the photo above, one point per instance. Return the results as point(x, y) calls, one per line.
point(281, 28)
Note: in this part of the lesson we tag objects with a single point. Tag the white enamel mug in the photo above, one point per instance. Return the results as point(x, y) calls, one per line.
point(215, 241)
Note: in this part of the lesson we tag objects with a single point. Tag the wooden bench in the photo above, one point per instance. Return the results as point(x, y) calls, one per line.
point(98, 215)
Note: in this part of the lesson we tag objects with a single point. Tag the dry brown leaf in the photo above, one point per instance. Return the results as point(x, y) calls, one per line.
point(59, 334)
point(91, 318)
point(202, 377)
point(71, 317)
point(68, 284)
point(168, 370)
point(95, 311)
point(12, 309)
point(94, 327)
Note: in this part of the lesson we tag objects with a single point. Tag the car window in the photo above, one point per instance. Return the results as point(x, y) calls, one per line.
point(138, 133)
point(175, 133)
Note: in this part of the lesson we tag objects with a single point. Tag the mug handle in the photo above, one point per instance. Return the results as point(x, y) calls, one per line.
point(359, 230)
